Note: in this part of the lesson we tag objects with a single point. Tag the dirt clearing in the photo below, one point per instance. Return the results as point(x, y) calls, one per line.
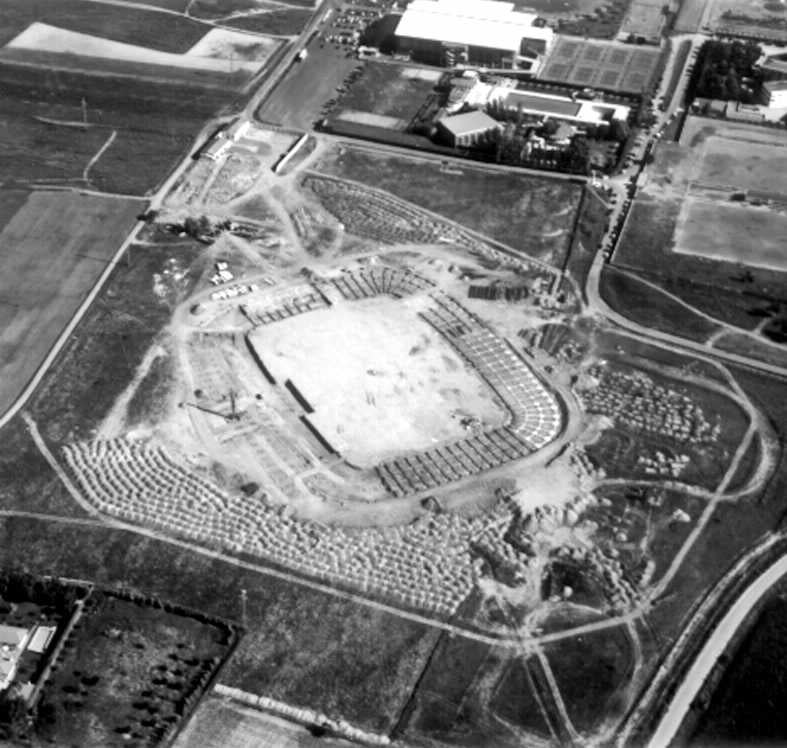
point(379, 379)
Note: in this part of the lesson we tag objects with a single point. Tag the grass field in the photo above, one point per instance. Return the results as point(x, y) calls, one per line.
point(649, 307)
point(387, 91)
point(156, 122)
point(534, 215)
point(162, 31)
point(744, 345)
point(590, 671)
point(283, 22)
point(462, 695)
point(744, 165)
point(724, 231)
point(351, 662)
point(394, 384)
point(49, 269)
point(514, 700)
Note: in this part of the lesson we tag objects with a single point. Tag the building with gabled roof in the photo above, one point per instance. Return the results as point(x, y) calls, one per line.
point(466, 129)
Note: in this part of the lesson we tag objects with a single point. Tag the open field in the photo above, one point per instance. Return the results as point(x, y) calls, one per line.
point(391, 383)
point(607, 65)
point(358, 663)
point(282, 22)
point(732, 232)
point(472, 694)
point(515, 701)
point(590, 671)
point(743, 707)
point(155, 123)
point(302, 646)
point(644, 18)
point(649, 307)
point(534, 215)
point(693, 243)
point(739, 164)
point(127, 672)
point(100, 359)
point(386, 91)
point(222, 723)
point(48, 271)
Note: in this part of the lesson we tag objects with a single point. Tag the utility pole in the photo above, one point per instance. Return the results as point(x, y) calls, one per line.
point(243, 616)
point(84, 112)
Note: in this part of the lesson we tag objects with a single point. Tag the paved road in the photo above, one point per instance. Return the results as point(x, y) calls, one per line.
point(713, 649)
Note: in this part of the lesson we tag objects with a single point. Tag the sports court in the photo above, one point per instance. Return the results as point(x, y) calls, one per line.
point(609, 65)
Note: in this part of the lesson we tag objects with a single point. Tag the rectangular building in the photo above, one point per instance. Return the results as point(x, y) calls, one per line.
point(486, 33)
point(467, 129)
point(774, 94)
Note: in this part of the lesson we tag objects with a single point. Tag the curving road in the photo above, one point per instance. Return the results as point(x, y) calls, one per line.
point(713, 649)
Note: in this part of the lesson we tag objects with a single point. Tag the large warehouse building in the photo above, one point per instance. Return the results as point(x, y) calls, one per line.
point(473, 32)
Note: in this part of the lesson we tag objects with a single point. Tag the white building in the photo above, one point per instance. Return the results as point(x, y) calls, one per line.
point(466, 129)
point(473, 93)
point(477, 32)
point(13, 642)
point(774, 94)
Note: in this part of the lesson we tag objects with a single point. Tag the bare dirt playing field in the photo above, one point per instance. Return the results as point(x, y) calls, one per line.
point(219, 50)
point(380, 380)
point(48, 269)
point(762, 168)
point(729, 231)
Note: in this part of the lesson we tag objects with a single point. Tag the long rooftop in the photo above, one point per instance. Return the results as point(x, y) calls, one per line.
point(480, 23)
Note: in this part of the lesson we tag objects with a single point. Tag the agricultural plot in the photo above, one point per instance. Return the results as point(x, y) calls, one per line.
point(533, 215)
point(49, 270)
point(607, 65)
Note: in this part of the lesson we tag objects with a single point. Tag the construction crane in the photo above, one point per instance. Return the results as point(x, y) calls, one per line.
point(233, 415)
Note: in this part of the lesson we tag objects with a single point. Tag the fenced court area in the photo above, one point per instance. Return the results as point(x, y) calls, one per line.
point(621, 68)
